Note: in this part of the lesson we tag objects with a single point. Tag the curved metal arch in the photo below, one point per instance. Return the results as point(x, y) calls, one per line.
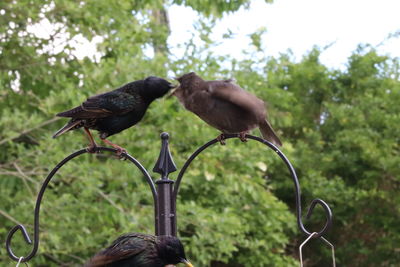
point(41, 193)
point(328, 212)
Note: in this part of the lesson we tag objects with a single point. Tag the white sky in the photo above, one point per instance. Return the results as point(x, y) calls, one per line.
point(291, 24)
point(299, 25)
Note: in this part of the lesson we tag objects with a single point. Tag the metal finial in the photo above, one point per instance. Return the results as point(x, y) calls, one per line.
point(165, 164)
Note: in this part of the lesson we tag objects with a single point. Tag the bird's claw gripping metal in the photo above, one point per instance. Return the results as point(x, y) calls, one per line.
point(242, 137)
point(221, 139)
point(92, 149)
point(120, 153)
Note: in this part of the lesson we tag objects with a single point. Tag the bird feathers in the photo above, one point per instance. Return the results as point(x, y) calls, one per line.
point(103, 105)
point(141, 250)
point(268, 133)
point(116, 103)
point(126, 246)
point(115, 111)
point(228, 91)
point(67, 127)
point(224, 105)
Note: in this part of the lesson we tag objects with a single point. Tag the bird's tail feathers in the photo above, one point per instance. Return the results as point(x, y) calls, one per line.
point(69, 126)
point(269, 134)
point(100, 260)
point(70, 113)
point(97, 261)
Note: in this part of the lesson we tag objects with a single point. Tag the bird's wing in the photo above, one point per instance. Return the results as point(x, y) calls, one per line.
point(228, 91)
point(103, 105)
point(124, 247)
point(115, 102)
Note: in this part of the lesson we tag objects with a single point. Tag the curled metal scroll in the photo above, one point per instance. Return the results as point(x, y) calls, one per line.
point(328, 212)
point(40, 196)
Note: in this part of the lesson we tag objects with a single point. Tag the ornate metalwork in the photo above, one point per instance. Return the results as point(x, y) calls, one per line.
point(328, 211)
point(165, 192)
point(40, 197)
point(164, 166)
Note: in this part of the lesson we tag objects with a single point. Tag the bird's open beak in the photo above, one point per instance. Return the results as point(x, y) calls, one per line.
point(172, 92)
point(186, 262)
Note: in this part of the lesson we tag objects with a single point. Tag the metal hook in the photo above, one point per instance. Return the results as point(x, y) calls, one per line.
point(314, 235)
point(40, 196)
point(9, 237)
point(328, 211)
point(301, 247)
point(328, 214)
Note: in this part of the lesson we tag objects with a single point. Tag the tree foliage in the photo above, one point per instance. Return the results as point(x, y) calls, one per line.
point(236, 204)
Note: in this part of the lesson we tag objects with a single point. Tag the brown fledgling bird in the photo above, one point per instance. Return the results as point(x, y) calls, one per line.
point(141, 250)
point(225, 106)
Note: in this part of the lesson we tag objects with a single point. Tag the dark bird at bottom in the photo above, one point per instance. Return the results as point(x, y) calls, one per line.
point(141, 250)
point(112, 112)
point(225, 106)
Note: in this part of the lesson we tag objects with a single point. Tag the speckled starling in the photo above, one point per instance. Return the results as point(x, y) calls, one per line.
point(141, 250)
point(225, 106)
point(114, 111)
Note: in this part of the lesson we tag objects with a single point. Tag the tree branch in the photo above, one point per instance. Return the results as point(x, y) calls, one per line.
point(24, 177)
point(30, 130)
point(8, 216)
point(110, 201)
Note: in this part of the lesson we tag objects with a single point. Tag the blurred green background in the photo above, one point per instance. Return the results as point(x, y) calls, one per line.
point(340, 129)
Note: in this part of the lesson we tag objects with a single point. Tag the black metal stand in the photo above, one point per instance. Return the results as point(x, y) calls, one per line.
point(166, 212)
point(165, 192)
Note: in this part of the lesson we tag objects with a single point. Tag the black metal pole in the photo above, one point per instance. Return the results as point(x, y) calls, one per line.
point(165, 211)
